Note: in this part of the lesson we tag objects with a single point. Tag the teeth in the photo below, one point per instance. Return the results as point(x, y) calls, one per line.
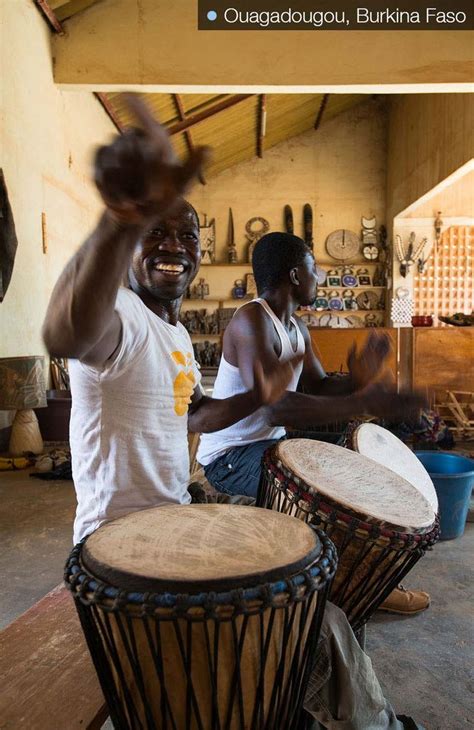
point(170, 268)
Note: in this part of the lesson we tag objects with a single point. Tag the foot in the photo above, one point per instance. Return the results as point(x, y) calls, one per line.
point(407, 603)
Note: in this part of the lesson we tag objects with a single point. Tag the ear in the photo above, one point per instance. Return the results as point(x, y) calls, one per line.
point(294, 276)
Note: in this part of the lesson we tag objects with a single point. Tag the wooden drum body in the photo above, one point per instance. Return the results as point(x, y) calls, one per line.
point(202, 617)
point(380, 524)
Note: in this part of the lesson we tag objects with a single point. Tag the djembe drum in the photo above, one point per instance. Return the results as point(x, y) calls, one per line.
point(385, 448)
point(380, 524)
point(203, 617)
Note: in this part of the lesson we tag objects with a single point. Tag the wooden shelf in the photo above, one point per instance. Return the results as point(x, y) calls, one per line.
point(224, 264)
point(201, 336)
point(352, 312)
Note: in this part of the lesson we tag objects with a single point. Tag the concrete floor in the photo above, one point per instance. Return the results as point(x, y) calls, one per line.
point(424, 663)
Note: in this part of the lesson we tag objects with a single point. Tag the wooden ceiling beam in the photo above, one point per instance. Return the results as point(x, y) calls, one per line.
point(323, 105)
point(50, 16)
point(109, 109)
point(69, 8)
point(262, 123)
point(199, 117)
point(187, 134)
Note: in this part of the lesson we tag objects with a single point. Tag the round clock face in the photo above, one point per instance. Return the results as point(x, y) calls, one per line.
point(342, 244)
point(371, 252)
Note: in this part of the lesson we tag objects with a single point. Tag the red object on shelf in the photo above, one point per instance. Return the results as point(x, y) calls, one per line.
point(422, 321)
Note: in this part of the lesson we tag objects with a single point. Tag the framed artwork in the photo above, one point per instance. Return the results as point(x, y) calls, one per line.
point(364, 280)
point(250, 286)
point(333, 281)
point(208, 241)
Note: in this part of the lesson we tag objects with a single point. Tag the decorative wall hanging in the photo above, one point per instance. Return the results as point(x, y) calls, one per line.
point(369, 230)
point(8, 239)
point(348, 300)
point(412, 253)
point(238, 292)
point(310, 319)
point(348, 278)
point(256, 228)
point(372, 320)
point(367, 300)
point(231, 247)
point(438, 224)
point(207, 234)
point(370, 252)
point(200, 290)
point(288, 215)
point(342, 244)
point(321, 302)
point(402, 308)
point(335, 301)
point(334, 320)
point(355, 320)
point(363, 277)
point(250, 286)
point(308, 225)
point(333, 278)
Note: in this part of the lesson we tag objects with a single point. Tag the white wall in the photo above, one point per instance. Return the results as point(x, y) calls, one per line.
point(47, 137)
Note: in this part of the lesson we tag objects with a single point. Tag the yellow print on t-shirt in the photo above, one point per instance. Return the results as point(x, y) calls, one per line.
point(183, 386)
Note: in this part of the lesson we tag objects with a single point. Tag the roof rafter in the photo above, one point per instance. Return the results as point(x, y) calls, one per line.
point(187, 134)
point(207, 113)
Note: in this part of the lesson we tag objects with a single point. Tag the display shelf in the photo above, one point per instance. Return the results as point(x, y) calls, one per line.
point(349, 264)
point(202, 336)
point(216, 264)
point(353, 312)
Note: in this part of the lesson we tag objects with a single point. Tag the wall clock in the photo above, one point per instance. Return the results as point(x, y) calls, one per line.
point(342, 244)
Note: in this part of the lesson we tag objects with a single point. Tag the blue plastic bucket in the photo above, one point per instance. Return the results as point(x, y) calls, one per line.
point(453, 478)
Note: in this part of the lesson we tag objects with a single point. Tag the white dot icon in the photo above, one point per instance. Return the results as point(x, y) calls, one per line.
point(211, 15)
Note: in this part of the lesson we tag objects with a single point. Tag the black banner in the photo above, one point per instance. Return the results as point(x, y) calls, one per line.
point(335, 15)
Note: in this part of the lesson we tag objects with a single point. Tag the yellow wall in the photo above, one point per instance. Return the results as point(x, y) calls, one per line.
point(47, 138)
point(157, 42)
point(339, 170)
point(430, 136)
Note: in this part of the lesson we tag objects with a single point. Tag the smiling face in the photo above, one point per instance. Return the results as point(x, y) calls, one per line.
point(307, 276)
point(167, 258)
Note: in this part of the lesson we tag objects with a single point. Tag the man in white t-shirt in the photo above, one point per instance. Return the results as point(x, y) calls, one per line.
point(135, 385)
point(134, 381)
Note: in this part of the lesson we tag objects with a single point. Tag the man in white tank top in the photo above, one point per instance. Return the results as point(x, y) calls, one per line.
point(266, 331)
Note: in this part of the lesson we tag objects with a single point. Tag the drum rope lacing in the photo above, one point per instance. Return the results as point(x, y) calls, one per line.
point(129, 635)
point(91, 590)
point(295, 492)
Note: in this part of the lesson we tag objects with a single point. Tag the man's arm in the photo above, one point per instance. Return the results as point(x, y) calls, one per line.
point(139, 179)
point(212, 414)
point(298, 410)
point(364, 367)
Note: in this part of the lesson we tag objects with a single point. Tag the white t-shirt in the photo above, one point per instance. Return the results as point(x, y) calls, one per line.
point(128, 429)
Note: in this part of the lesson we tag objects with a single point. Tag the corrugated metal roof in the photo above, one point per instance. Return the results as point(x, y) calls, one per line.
point(231, 124)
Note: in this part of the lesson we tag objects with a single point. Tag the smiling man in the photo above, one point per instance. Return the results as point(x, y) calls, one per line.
point(134, 382)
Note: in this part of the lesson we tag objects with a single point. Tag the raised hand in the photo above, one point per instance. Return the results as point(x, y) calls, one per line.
point(139, 176)
point(271, 385)
point(365, 366)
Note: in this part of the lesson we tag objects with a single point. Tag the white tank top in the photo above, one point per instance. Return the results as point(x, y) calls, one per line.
point(229, 383)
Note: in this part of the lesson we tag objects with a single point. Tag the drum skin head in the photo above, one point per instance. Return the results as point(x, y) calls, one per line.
point(199, 547)
point(382, 446)
point(357, 483)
